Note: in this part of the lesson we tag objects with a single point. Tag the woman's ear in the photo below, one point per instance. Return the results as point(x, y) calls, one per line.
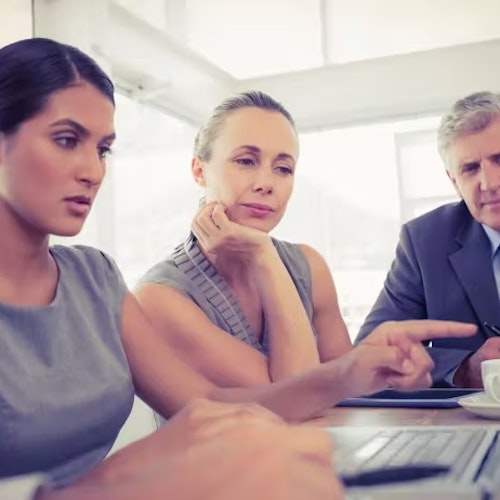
point(198, 171)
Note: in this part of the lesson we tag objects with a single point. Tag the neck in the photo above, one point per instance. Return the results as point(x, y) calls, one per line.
point(233, 268)
point(24, 252)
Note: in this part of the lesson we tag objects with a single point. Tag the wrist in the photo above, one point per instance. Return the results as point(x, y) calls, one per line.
point(462, 375)
point(329, 384)
point(264, 256)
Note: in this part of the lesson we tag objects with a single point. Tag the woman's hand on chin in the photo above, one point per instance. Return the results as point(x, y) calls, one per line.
point(216, 234)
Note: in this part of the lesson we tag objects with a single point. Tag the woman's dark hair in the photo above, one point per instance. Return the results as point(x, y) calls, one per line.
point(31, 70)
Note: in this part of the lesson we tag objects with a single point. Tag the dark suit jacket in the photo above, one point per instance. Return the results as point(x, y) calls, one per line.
point(442, 270)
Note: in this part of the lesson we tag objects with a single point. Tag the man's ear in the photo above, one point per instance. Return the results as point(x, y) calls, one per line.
point(198, 171)
point(454, 182)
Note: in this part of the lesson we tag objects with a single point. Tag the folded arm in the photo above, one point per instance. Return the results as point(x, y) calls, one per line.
point(292, 346)
point(167, 384)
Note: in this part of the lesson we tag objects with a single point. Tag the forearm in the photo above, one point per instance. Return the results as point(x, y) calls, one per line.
point(295, 399)
point(292, 343)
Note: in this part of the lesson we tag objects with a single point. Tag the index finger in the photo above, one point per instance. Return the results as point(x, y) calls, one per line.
point(427, 329)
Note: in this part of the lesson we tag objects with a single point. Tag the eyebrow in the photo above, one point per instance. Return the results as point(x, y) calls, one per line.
point(256, 150)
point(80, 128)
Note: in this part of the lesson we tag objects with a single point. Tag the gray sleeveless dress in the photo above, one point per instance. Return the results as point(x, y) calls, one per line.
point(65, 385)
point(190, 272)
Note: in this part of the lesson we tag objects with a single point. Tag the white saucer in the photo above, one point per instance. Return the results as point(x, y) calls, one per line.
point(480, 404)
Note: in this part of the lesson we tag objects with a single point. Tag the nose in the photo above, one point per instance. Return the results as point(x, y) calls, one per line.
point(264, 181)
point(92, 169)
point(489, 176)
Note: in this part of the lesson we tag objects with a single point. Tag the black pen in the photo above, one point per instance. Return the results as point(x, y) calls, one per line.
point(492, 328)
point(395, 474)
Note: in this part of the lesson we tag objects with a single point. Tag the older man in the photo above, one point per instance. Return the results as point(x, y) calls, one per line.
point(447, 263)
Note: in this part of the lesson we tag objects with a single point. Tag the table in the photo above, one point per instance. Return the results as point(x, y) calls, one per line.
point(364, 417)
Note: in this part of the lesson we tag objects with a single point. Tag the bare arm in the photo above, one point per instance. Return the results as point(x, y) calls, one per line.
point(212, 352)
point(233, 451)
point(333, 338)
point(291, 339)
point(167, 384)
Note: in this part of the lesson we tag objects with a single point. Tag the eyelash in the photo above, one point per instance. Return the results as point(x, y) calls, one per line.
point(67, 142)
point(104, 151)
point(467, 169)
point(63, 141)
point(285, 170)
point(247, 162)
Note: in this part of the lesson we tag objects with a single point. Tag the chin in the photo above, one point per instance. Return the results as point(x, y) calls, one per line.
point(260, 224)
point(67, 230)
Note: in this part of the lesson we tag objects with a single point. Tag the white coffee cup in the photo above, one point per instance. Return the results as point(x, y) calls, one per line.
point(490, 374)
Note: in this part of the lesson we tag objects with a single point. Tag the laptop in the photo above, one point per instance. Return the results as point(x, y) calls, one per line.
point(471, 452)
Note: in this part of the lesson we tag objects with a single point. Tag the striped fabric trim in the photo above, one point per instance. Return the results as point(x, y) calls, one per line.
point(191, 261)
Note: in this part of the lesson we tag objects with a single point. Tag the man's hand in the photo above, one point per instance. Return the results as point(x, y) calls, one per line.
point(469, 373)
point(216, 234)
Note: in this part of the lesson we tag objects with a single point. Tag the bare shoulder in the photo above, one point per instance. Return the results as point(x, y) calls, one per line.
point(160, 298)
point(321, 276)
point(149, 290)
point(316, 261)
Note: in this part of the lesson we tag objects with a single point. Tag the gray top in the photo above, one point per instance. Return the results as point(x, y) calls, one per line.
point(190, 272)
point(65, 385)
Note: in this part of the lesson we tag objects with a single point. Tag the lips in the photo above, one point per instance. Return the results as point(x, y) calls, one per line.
point(258, 210)
point(78, 206)
point(492, 202)
point(84, 200)
point(258, 206)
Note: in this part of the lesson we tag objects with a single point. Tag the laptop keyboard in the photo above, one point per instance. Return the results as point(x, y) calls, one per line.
point(405, 447)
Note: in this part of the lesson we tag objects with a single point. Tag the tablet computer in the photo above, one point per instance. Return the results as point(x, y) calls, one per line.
point(425, 398)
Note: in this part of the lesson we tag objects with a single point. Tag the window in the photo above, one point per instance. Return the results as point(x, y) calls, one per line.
point(364, 29)
point(155, 196)
point(16, 21)
point(348, 203)
point(423, 183)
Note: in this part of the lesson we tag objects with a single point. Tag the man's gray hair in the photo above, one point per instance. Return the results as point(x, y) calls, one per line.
point(211, 129)
point(469, 115)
